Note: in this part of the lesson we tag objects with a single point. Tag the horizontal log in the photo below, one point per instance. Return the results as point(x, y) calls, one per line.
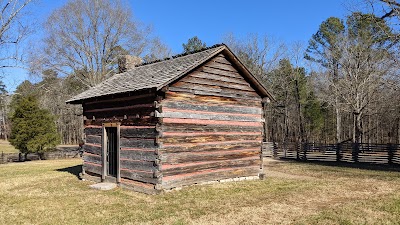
point(138, 165)
point(176, 158)
point(138, 132)
point(212, 70)
point(213, 122)
point(199, 134)
point(189, 97)
point(210, 138)
point(209, 147)
point(169, 182)
point(146, 188)
point(222, 84)
point(215, 89)
point(92, 168)
point(139, 154)
point(91, 139)
point(236, 96)
point(132, 113)
point(218, 77)
point(212, 108)
point(93, 149)
point(137, 143)
point(93, 130)
point(221, 66)
point(91, 158)
point(175, 169)
point(141, 107)
point(130, 121)
point(188, 128)
point(201, 115)
point(144, 176)
point(120, 98)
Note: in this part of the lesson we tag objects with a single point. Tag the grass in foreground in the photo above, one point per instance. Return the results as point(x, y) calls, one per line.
point(49, 192)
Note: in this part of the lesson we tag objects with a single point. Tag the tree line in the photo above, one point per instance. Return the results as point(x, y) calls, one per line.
point(342, 86)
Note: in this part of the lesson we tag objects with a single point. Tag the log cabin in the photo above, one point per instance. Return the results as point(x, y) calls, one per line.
point(188, 119)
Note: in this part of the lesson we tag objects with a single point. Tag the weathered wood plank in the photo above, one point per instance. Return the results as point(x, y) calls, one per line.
point(138, 132)
point(91, 158)
point(209, 138)
point(199, 99)
point(130, 121)
point(176, 158)
point(221, 66)
point(146, 187)
point(212, 70)
point(218, 77)
point(91, 139)
point(209, 147)
point(212, 107)
point(138, 165)
point(139, 154)
point(215, 89)
point(223, 84)
point(213, 122)
point(131, 113)
point(175, 169)
point(203, 116)
point(126, 98)
point(93, 149)
point(140, 107)
point(97, 131)
point(92, 168)
point(144, 176)
point(200, 177)
point(137, 143)
point(239, 97)
point(168, 127)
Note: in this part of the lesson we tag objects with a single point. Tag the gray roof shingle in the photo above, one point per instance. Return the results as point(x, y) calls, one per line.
point(152, 75)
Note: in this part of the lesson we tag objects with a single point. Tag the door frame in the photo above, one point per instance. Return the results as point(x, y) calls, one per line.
point(104, 171)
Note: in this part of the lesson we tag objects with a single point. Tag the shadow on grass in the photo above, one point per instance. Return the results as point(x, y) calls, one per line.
point(74, 170)
point(364, 166)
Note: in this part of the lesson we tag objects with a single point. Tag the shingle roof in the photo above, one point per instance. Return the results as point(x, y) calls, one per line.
point(149, 75)
point(160, 73)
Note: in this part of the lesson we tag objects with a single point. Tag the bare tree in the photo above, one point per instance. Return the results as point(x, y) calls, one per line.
point(259, 53)
point(86, 37)
point(12, 30)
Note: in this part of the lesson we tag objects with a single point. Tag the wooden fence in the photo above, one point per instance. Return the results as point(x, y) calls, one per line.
point(345, 152)
point(60, 152)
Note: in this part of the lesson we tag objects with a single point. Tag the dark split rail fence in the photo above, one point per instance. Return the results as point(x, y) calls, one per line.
point(344, 152)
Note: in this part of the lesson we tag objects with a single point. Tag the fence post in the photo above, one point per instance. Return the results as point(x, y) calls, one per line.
point(303, 149)
point(390, 148)
point(356, 150)
point(297, 147)
point(338, 152)
point(274, 151)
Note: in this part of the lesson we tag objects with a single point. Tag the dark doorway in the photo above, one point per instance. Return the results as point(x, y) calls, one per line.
point(112, 145)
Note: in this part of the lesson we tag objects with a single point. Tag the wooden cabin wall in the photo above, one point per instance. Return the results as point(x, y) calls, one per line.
point(138, 155)
point(212, 127)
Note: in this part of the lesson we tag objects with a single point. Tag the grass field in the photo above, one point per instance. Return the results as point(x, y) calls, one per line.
point(49, 192)
point(5, 147)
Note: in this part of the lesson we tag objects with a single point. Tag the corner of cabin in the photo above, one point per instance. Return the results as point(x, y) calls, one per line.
point(212, 126)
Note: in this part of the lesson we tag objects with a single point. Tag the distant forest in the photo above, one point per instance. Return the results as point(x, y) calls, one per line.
point(341, 86)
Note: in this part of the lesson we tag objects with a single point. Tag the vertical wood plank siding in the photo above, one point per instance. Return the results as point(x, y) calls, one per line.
point(139, 169)
point(212, 126)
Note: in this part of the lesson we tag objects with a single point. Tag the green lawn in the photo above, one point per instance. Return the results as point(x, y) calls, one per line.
point(46, 192)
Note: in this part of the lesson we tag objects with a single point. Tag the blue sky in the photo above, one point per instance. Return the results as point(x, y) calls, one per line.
point(175, 21)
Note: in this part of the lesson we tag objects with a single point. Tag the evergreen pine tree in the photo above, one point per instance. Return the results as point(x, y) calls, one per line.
point(32, 129)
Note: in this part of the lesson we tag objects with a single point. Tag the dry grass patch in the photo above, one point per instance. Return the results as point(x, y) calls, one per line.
point(6, 147)
point(49, 192)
